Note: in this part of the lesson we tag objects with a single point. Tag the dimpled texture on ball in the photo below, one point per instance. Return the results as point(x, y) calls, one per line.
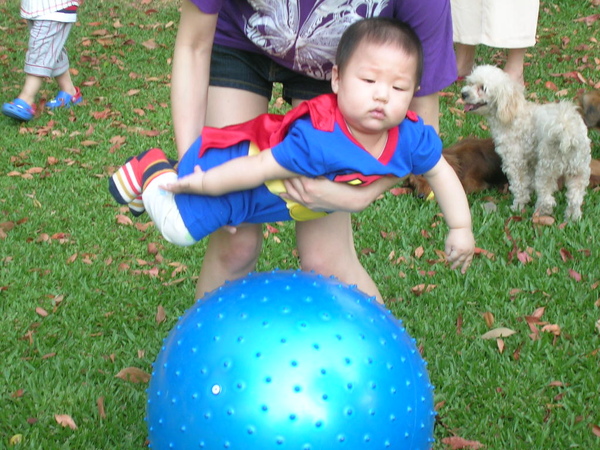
point(289, 360)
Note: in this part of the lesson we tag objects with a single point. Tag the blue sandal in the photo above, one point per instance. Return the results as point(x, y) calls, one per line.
point(19, 109)
point(65, 100)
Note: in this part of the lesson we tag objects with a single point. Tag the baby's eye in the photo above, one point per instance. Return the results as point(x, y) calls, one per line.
point(398, 88)
point(368, 80)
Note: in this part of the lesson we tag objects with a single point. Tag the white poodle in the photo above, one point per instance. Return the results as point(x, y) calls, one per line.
point(537, 143)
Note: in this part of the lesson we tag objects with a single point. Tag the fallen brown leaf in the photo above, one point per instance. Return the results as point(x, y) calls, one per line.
point(489, 319)
point(134, 375)
point(500, 343)
point(100, 404)
point(497, 333)
point(124, 220)
point(552, 328)
point(65, 420)
point(575, 275)
point(161, 316)
point(457, 443)
point(420, 289)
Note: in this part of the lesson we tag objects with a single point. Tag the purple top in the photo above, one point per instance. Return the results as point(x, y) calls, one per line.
point(302, 35)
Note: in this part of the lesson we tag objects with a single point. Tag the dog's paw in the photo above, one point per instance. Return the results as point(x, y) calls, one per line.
point(518, 206)
point(572, 213)
point(545, 209)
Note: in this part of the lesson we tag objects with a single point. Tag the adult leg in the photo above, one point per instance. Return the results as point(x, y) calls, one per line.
point(428, 107)
point(326, 246)
point(230, 255)
point(465, 58)
point(514, 64)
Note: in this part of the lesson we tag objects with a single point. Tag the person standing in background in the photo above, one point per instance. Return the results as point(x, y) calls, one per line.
point(509, 24)
point(49, 23)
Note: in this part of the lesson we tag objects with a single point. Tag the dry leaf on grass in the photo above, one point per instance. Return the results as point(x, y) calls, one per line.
point(161, 316)
point(489, 319)
point(134, 375)
point(457, 443)
point(498, 333)
point(100, 404)
point(65, 420)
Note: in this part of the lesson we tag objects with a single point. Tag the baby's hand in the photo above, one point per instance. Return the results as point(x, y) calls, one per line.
point(460, 246)
point(190, 184)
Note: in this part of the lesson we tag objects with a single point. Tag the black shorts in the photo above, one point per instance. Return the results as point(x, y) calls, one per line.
point(256, 73)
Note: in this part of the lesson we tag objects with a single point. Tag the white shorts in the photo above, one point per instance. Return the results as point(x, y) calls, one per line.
point(495, 23)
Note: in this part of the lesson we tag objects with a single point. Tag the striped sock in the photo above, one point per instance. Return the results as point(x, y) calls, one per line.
point(136, 206)
point(127, 184)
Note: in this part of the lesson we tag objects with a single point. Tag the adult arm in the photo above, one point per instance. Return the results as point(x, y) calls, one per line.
point(460, 244)
point(321, 194)
point(191, 72)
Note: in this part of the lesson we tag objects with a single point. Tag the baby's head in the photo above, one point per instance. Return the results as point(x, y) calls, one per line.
point(381, 31)
point(378, 69)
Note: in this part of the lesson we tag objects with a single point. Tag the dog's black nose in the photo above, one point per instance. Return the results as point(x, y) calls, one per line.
point(463, 95)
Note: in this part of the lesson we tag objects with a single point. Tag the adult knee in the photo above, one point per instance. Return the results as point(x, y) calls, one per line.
point(239, 251)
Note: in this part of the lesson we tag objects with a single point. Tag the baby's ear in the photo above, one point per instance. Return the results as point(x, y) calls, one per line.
point(335, 78)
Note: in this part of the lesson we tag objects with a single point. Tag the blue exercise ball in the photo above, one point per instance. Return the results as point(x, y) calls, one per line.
point(289, 360)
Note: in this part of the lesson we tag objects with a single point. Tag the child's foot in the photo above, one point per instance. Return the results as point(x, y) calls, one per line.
point(65, 100)
point(127, 184)
point(19, 109)
point(136, 206)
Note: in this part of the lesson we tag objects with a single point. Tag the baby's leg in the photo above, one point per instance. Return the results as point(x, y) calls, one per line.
point(162, 209)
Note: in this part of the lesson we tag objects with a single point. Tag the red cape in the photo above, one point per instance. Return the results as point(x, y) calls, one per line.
point(267, 130)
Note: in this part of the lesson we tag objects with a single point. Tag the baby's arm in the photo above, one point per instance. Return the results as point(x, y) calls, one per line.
point(460, 244)
point(238, 174)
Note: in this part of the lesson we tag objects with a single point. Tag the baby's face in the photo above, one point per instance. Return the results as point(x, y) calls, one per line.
point(376, 87)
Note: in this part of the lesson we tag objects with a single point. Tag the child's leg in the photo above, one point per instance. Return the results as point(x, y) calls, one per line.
point(45, 55)
point(65, 84)
point(141, 176)
point(23, 107)
point(131, 180)
point(32, 85)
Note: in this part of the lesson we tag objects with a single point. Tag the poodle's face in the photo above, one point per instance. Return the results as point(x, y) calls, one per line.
point(488, 91)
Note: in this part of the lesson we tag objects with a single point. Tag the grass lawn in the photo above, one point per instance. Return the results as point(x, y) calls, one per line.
point(86, 293)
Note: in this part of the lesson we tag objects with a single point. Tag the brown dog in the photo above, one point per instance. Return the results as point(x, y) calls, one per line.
point(479, 167)
point(475, 162)
point(589, 104)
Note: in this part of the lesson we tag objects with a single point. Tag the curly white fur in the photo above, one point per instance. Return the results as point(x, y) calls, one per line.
point(537, 143)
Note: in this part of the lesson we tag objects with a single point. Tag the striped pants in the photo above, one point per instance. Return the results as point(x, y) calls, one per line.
point(46, 55)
